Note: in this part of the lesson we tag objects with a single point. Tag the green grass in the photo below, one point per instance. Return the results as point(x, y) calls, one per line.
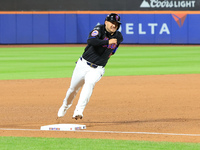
point(59, 62)
point(155, 61)
point(35, 63)
point(27, 143)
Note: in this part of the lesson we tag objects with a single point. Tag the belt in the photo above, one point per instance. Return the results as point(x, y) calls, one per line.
point(89, 63)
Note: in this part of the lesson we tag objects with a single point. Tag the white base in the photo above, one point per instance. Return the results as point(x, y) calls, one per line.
point(63, 127)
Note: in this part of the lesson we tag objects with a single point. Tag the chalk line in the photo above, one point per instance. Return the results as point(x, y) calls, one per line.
point(114, 132)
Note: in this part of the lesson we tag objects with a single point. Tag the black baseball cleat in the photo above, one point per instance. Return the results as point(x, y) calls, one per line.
point(77, 117)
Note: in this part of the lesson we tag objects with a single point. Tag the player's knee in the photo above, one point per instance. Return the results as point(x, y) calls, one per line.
point(72, 90)
point(90, 84)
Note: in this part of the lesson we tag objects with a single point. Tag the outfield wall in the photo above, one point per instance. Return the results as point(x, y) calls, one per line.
point(172, 27)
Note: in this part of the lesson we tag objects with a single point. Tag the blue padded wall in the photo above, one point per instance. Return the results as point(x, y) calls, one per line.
point(75, 28)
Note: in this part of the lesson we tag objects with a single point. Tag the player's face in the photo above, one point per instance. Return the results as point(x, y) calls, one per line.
point(111, 27)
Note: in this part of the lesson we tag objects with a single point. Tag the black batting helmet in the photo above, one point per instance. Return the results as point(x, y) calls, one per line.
point(113, 18)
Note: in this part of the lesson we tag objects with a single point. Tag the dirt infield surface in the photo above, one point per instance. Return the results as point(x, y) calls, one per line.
point(138, 107)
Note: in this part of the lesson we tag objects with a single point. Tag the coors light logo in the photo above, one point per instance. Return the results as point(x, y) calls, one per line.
point(168, 4)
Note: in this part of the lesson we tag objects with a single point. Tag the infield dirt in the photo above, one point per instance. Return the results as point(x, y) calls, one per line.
point(153, 103)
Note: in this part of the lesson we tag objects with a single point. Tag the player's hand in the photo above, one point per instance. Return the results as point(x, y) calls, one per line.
point(112, 41)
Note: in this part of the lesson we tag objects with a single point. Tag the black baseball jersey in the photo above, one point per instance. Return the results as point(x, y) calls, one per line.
point(98, 51)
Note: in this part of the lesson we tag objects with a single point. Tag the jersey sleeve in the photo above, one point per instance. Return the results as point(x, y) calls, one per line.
point(119, 40)
point(94, 37)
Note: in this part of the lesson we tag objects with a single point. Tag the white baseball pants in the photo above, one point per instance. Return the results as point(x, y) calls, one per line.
point(86, 76)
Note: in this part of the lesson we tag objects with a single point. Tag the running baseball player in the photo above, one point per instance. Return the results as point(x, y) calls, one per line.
point(103, 42)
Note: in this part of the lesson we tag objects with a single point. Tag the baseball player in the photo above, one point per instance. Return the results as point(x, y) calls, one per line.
point(103, 42)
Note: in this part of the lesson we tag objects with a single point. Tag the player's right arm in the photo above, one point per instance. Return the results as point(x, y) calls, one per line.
point(95, 37)
point(94, 41)
point(112, 41)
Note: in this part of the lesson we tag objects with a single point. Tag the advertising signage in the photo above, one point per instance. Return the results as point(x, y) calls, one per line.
point(102, 5)
point(169, 4)
point(143, 28)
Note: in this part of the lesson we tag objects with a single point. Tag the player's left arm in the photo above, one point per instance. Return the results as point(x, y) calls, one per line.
point(113, 52)
point(119, 40)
